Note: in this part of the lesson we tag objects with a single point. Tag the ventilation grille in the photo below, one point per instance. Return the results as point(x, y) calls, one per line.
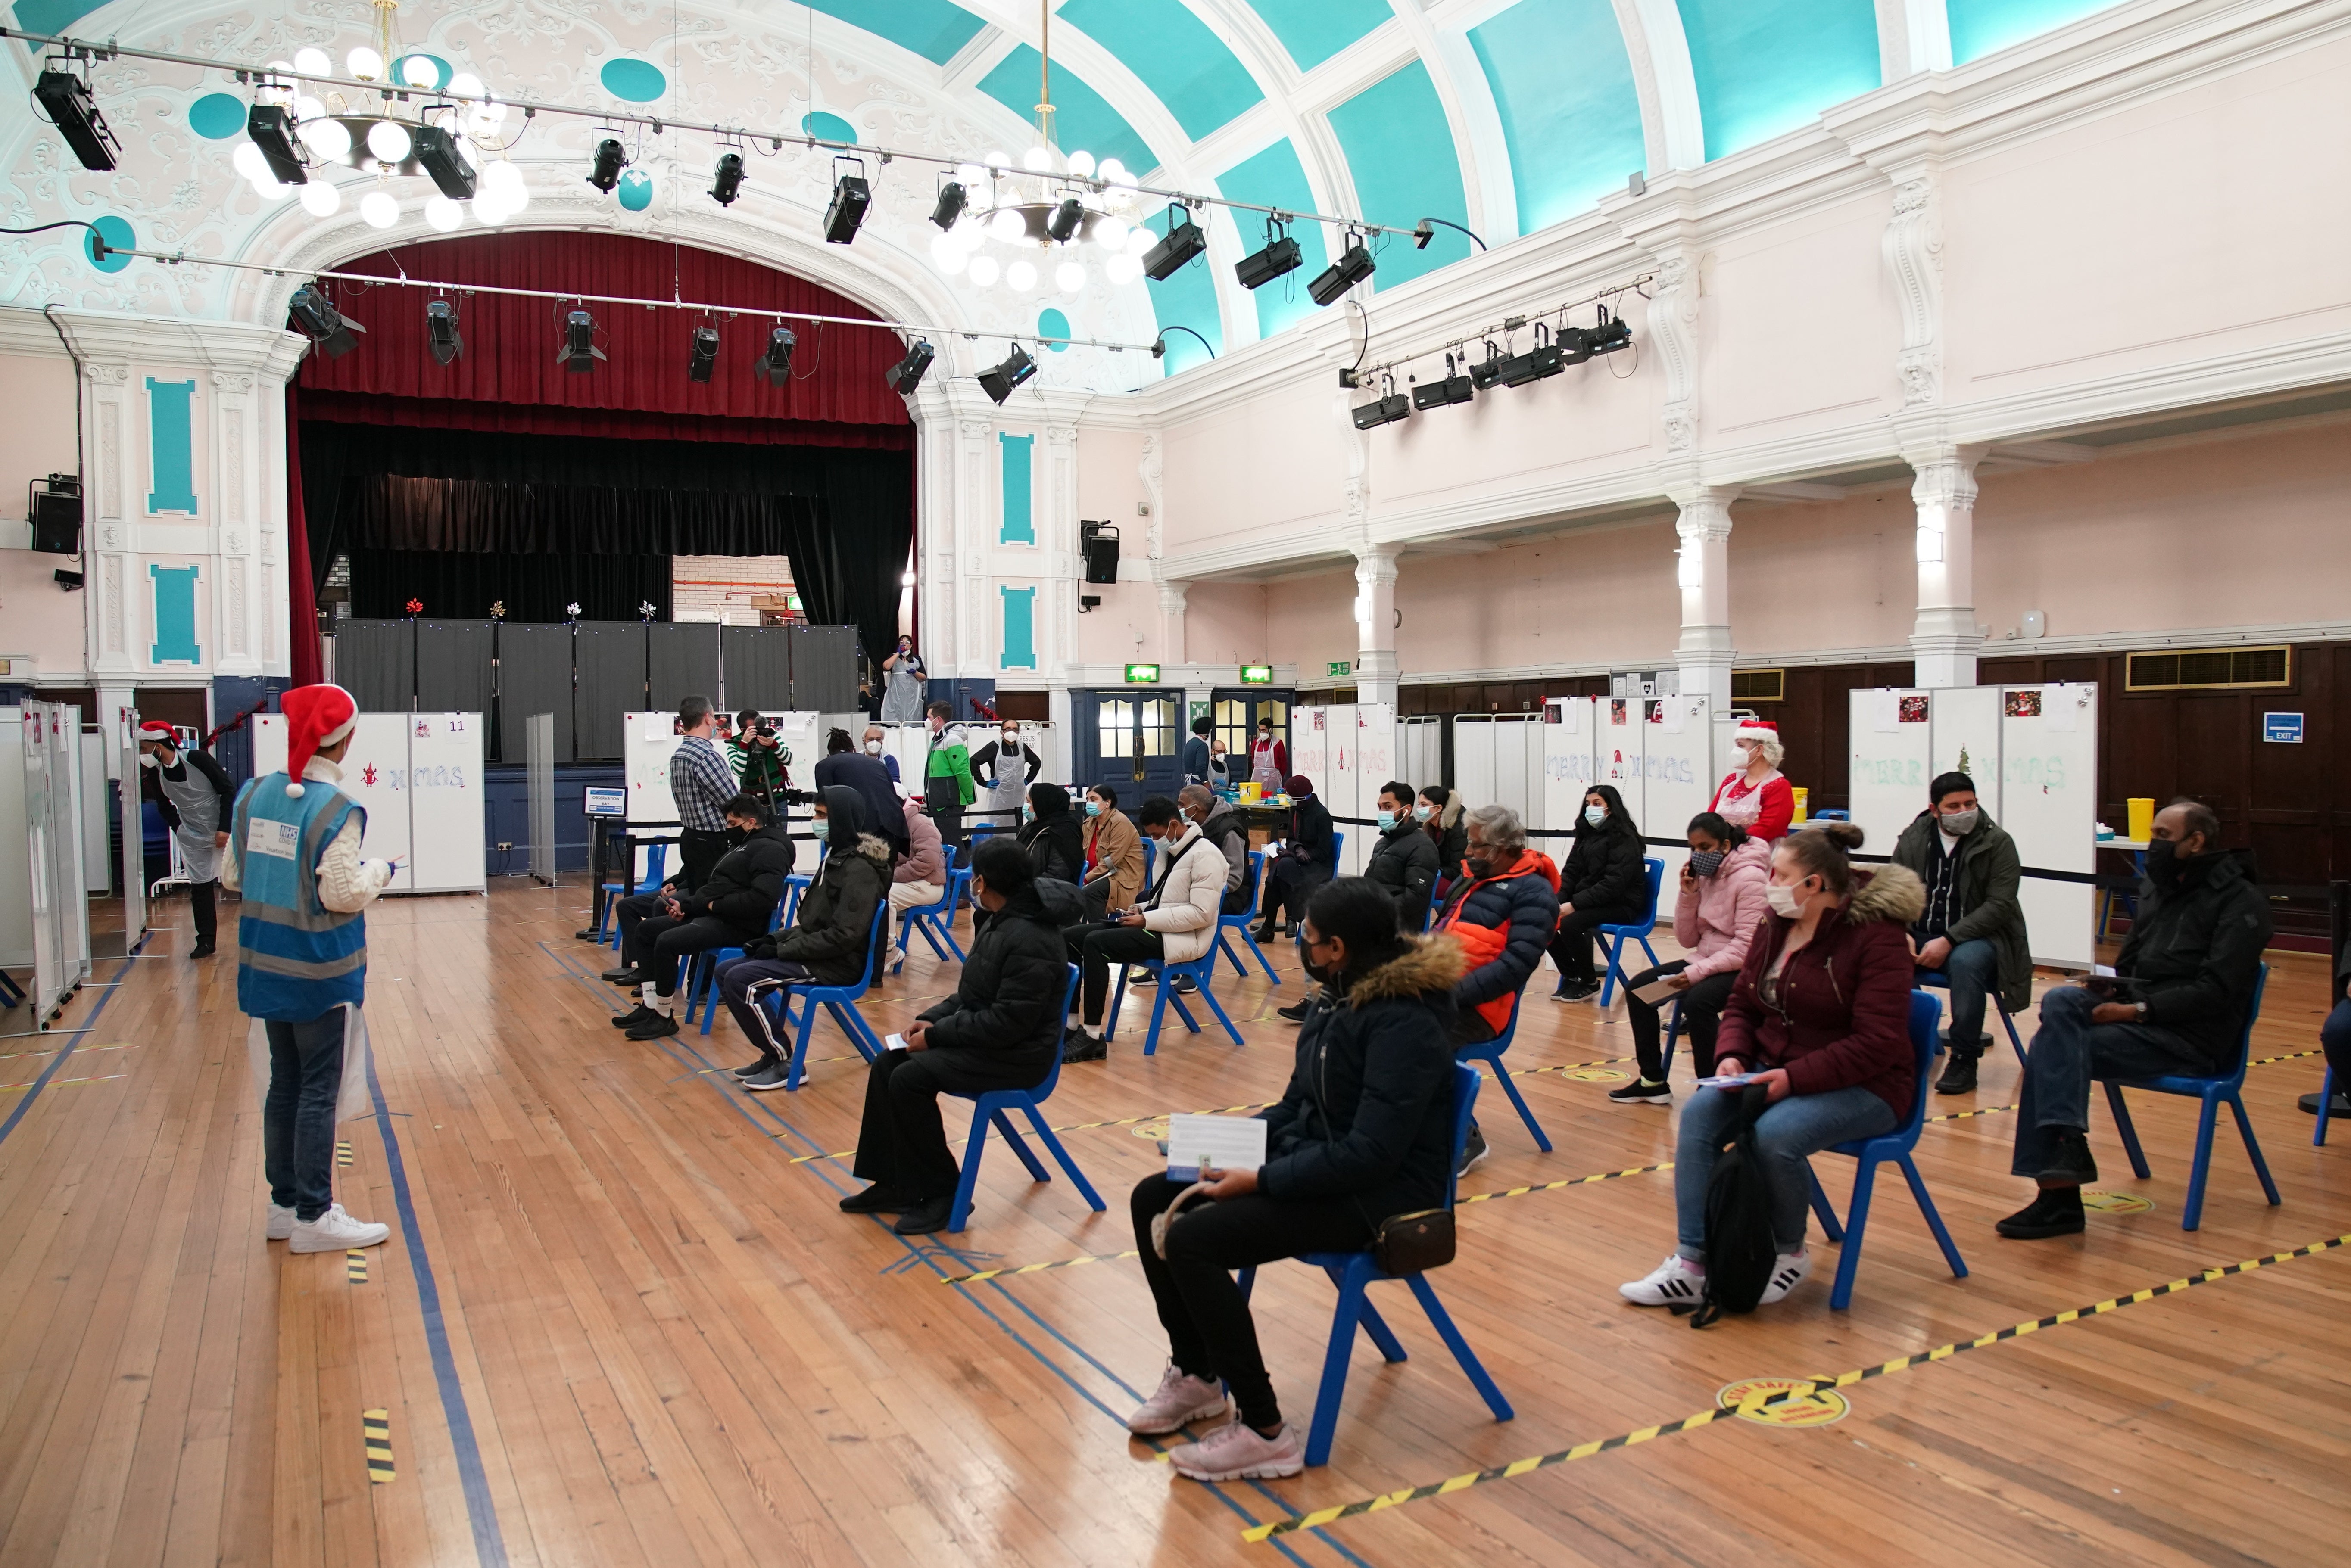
point(1758, 686)
point(2208, 669)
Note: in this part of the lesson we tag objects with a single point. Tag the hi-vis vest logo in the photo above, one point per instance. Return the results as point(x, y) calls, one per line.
point(282, 839)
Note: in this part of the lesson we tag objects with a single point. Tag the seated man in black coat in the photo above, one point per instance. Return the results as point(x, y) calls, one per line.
point(1000, 1030)
point(1403, 858)
point(732, 906)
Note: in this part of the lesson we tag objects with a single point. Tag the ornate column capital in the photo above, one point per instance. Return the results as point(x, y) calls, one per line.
point(1913, 248)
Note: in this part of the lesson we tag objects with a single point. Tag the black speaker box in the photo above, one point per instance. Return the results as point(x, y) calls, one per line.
point(57, 523)
point(1100, 543)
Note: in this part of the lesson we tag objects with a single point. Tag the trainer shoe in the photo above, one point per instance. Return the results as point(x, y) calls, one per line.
point(1078, 1045)
point(1142, 977)
point(772, 1075)
point(1958, 1073)
point(1676, 1280)
point(923, 1218)
point(2071, 1162)
point(1186, 986)
point(2057, 1211)
point(1473, 1152)
point(1574, 991)
point(750, 1070)
point(1642, 1092)
point(878, 1199)
point(281, 1224)
point(659, 1026)
point(1182, 1399)
point(201, 950)
point(1238, 1451)
point(631, 1019)
point(334, 1231)
point(1296, 1012)
point(1787, 1273)
point(627, 974)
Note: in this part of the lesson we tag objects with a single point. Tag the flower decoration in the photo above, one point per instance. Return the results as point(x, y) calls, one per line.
point(572, 609)
point(415, 606)
point(498, 610)
point(644, 609)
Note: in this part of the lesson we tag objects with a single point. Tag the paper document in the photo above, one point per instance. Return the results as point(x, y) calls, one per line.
point(1214, 1143)
point(1658, 992)
point(893, 1042)
point(1886, 711)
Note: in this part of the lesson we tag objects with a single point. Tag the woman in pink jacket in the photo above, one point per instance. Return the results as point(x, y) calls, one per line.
point(1722, 901)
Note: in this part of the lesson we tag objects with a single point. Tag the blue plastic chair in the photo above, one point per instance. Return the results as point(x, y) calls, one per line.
point(2213, 1091)
point(1936, 980)
point(1200, 970)
point(1490, 1051)
point(989, 1109)
point(1351, 1272)
point(840, 1000)
point(1925, 1013)
point(657, 857)
point(937, 921)
point(703, 971)
point(1638, 932)
point(2325, 1105)
point(1228, 925)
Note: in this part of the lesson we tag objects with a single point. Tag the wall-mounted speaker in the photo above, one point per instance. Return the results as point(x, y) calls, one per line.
point(56, 510)
point(1099, 541)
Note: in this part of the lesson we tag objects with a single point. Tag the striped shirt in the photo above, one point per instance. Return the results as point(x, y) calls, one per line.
point(701, 784)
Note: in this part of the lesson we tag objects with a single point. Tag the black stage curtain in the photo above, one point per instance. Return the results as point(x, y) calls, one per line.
point(533, 588)
point(844, 515)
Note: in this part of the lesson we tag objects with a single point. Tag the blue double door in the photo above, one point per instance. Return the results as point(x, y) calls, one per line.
point(1130, 738)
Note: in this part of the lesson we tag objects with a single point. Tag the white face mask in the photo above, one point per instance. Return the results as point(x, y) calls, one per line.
point(1595, 815)
point(872, 748)
point(1786, 902)
point(149, 760)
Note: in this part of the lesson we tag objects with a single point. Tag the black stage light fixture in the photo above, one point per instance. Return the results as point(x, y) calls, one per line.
point(999, 383)
point(272, 131)
point(705, 358)
point(578, 352)
point(1353, 266)
point(950, 204)
point(1612, 332)
point(441, 331)
point(1280, 255)
point(851, 196)
point(1385, 409)
point(1542, 360)
point(1487, 372)
point(610, 160)
point(1442, 394)
point(774, 365)
point(433, 147)
point(65, 99)
point(727, 178)
point(1063, 224)
point(1183, 241)
point(907, 374)
point(322, 323)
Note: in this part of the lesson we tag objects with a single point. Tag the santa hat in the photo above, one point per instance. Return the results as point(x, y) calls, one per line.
point(156, 730)
point(1761, 730)
point(315, 716)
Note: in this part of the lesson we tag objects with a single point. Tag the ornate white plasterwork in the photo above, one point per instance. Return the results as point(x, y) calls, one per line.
point(1673, 327)
point(1914, 255)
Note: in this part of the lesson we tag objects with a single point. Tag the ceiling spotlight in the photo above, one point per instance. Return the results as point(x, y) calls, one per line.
point(1487, 372)
point(851, 196)
point(1385, 409)
point(272, 131)
point(1063, 224)
point(907, 374)
point(1541, 360)
point(1000, 383)
point(1280, 255)
point(1612, 332)
point(578, 352)
point(1441, 394)
point(610, 160)
point(705, 358)
point(65, 97)
point(437, 151)
point(1575, 344)
point(322, 323)
point(1353, 266)
point(775, 365)
point(1183, 241)
point(950, 204)
point(441, 331)
point(727, 178)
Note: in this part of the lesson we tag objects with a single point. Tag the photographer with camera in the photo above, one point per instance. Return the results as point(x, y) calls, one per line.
point(761, 764)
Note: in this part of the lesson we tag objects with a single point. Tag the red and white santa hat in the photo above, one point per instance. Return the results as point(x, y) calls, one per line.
point(1757, 730)
point(315, 716)
point(156, 730)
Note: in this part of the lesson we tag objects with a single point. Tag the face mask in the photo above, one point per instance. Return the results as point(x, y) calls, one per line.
point(737, 837)
point(872, 748)
point(1264, 736)
point(819, 830)
point(1423, 813)
point(149, 760)
point(1387, 820)
point(1479, 865)
point(1595, 815)
point(1960, 823)
point(2165, 868)
point(1012, 737)
point(1321, 974)
point(1786, 902)
point(1093, 808)
point(1705, 862)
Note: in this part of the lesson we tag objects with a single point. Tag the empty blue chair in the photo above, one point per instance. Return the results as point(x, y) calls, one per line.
point(1490, 1051)
point(937, 921)
point(2213, 1092)
point(1936, 980)
point(840, 1000)
point(1925, 1013)
point(989, 1109)
point(1351, 1271)
point(1201, 971)
point(1613, 938)
point(657, 857)
point(1228, 925)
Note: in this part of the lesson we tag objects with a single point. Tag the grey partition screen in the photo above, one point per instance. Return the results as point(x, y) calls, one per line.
point(824, 669)
point(681, 658)
point(452, 667)
point(609, 658)
point(534, 677)
point(758, 667)
point(375, 661)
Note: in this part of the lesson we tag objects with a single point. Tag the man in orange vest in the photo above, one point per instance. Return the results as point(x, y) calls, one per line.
point(1503, 912)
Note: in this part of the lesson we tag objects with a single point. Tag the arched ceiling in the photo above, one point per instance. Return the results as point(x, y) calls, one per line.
point(1505, 116)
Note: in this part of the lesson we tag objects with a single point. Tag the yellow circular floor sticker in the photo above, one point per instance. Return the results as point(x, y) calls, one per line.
point(1597, 1075)
point(1816, 1410)
point(1155, 1127)
point(2114, 1202)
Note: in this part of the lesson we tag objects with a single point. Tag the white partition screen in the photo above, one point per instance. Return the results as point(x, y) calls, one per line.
point(419, 778)
point(1677, 765)
point(539, 730)
point(1420, 751)
point(1310, 743)
point(134, 829)
point(1567, 737)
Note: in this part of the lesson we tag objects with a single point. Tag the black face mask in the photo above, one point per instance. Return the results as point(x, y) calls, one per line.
point(1321, 974)
point(2165, 865)
point(737, 837)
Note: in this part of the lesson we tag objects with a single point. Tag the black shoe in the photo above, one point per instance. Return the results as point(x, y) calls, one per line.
point(1473, 1153)
point(1186, 986)
point(929, 1215)
point(201, 950)
point(1143, 976)
point(653, 1028)
point(2056, 1213)
point(1296, 1012)
point(631, 1020)
point(2071, 1162)
point(1078, 1045)
point(1263, 934)
point(753, 1069)
point(2341, 1108)
point(1574, 991)
point(876, 1199)
point(1640, 1092)
point(773, 1073)
point(627, 974)
point(1959, 1074)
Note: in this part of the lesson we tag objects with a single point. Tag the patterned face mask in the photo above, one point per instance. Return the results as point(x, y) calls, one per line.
point(1705, 862)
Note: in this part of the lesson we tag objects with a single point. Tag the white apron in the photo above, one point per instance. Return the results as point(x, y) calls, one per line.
point(1261, 768)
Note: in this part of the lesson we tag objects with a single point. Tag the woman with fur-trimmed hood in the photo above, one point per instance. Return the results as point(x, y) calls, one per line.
point(1439, 811)
point(1362, 1132)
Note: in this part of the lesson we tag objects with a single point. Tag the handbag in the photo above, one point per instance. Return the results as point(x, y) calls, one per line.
point(1414, 1244)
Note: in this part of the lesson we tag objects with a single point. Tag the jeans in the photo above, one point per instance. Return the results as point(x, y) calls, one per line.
point(2068, 1051)
point(1974, 969)
point(900, 1142)
point(1701, 1007)
point(1798, 1127)
point(1095, 948)
point(297, 1119)
point(742, 982)
point(1210, 1333)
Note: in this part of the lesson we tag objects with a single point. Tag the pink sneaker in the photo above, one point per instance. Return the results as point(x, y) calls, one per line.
point(1236, 1453)
point(1182, 1399)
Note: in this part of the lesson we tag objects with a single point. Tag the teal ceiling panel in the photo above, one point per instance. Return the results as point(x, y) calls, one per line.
point(1563, 87)
point(1314, 30)
point(933, 29)
point(1183, 64)
point(1082, 118)
point(1187, 300)
point(1275, 178)
point(1765, 66)
point(1979, 27)
point(1400, 151)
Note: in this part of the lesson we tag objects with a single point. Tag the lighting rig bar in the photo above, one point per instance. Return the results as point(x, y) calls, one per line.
point(1458, 342)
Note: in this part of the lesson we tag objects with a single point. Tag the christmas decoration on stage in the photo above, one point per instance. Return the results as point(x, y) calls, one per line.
point(571, 612)
point(645, 610)
point(498, 610)
point(415, 608)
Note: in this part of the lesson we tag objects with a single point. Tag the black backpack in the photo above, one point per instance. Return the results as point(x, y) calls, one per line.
point(1739, 1247)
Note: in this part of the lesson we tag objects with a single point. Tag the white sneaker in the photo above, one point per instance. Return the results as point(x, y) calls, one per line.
point(1675, 1280)
point(281, 1224)
point(1182, 1399)
point(334, 1231)
point(1237, 1452)
point(1786, 1275)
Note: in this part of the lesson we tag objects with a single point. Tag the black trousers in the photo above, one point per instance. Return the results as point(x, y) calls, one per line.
point(1288, 884)
point(202, 905)
point(1210, 1333)
point(699, 851)
point(655, 943)
point(902, 1143)
point(1093, 949)
point(1570, 945)
point(1702, 1006)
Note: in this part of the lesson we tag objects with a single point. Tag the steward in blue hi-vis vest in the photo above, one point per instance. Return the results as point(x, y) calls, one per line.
point(295, 958)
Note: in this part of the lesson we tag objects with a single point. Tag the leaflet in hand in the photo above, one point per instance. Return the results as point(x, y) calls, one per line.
point(1213, 1143)
point(893, 1042)
point(1658, 992)
point(1727, 1081)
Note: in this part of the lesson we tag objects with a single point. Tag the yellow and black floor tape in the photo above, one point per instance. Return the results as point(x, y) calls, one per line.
point(1759, 1400)
point(342, 1154)
point(355, 1266)
point(1979, 1111)
point(1570, 1182)
point(376, 1425)
point(1037, 1268)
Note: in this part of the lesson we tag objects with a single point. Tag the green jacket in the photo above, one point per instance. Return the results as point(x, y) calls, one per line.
point(759, 769)
point(1988, 874)
point(951, 758)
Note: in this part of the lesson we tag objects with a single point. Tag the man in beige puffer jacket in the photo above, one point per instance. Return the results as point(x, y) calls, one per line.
point(1175, 921)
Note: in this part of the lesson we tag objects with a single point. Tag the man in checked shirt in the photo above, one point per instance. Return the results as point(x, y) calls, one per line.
point(702, 784)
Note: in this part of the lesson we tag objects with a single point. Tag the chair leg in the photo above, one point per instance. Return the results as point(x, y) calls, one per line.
point(2129, 1133)
point(2253, 1148)
point(1263, 962)
point(974, 1147)
point(1184, 1012)
point(1218, 1008)
point(1502, 1076)
point(1334, 1387)
point(1375, 1328)
point(1649, 951)
point(2015, 1041)
point(2191, 1214)
point(1247, 1280)
point(1830, 1226)
point(1020, 1146)
point(706, 989)
point(1117, 1000)
point(1857, 1218)
point(2326, 1104)
point(1608, 976)
point(1673, 1032)
point(799, 1043)
point(1475, 1369)
point(1223, 950)
point(1053, 1142)
point(1158, 1012)
point(1934, 1219)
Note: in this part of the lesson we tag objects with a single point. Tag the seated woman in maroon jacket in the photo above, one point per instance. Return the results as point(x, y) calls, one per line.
point(1820, 1014)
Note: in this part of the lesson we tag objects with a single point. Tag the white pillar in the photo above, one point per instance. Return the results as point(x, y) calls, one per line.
point(1376, 625)
point(1172, 650)
point(1944, 642)
point(1702, 572)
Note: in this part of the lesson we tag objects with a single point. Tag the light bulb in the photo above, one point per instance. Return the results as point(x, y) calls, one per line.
point(389, 140)
point(488, 208)
point(1122, 269)
point(1008, 225)
point(313, 63)
point(418, 71)
point(1112, 171)
point(1020, 274)
point(444, 213)
point(365, 63)
point(948, 254)
point(978, 198)
point(984, 271)
point(1037, 160)
point(1082, 164)
point(998, 159)
point(1140, 241)
point(249, 161)
point(465, 84)
point(380, 209)
point(970, 174)
point(270, 189)
point(1111, 234)
point(506, 179)
point(321, 200)
point(1070, 277)
point(308, 108)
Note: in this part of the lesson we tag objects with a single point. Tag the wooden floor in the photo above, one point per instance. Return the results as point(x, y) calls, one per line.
point(618, 1324)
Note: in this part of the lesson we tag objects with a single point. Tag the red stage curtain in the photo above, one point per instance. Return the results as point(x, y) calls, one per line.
point(301, 596)
point(605, 424)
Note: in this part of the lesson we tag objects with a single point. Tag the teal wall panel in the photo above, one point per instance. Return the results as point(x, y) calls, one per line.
point(1082, 116)
point(1314, 30)
point(1574, 135)
point(1187, 300)
point(1019, 629)
point(171, 446)
point(933, 29)
point(1018, 527)
point(1400, 151)
point(1187, 66)
point(176, 614)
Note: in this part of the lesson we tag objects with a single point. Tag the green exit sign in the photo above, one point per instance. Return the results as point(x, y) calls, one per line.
point(1143, 674)
point(1341, 667)
point(1257, 674)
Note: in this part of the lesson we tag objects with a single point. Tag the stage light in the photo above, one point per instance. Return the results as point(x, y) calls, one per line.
point(907, 374)
point(727, 178)
point(436, 150)
point(1488, 371)
point(1541, 360)
point(775, 365)
point(1612, 332)
point(1441, 394)
point(851, 196)
point(1183, 241)
point(704, 356)
point(1063, 224)
point(441, 331)
point(952, 200)
point(1000, 381)
point(1280, 255)
point(65, 99)
point(322, 323)
point(610, 160)
point(273, 133)
point(1353, 266)
point(1385, 409)
point(578, 352)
